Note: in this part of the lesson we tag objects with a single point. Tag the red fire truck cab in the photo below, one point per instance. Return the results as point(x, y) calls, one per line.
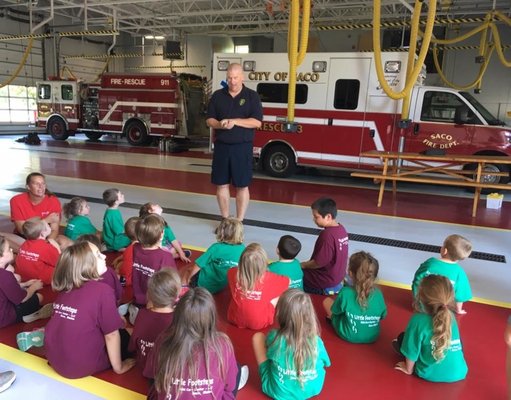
point(137, 107)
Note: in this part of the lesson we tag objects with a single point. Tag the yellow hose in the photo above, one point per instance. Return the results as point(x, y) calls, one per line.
point(459, 38)
point(422, 54)
point(498, 46)
point(21, 64)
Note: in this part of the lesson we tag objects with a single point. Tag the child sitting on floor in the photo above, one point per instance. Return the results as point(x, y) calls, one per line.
point(18, 301)
point(124, 263)
point(191, 359)
point(38, 255)
point(148, 258)
point(357, 310)
point(169, 239)
point(78, 222)
point(431, 342)
point(455, 248)
point(210, 269)
point(325, 271)
point(292, 359)
point(287, 249)
point(84, 334)
point(254, 290)
point(162, 293)
point(113, 227)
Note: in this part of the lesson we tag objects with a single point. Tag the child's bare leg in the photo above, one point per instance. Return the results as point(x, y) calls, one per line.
point(327, 305)
point(459, 308)
point(259, 345)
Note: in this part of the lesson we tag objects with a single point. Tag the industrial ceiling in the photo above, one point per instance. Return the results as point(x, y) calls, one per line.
point(174, 18)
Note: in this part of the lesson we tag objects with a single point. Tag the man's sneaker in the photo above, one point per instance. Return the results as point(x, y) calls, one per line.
point(396, 347)
point(243, 377)
point(187, 252)
point(26, 340)
point(6, 380)
point(133, 312)
point(44, 312)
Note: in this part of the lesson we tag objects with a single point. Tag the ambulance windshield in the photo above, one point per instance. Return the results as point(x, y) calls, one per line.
point(488, 116)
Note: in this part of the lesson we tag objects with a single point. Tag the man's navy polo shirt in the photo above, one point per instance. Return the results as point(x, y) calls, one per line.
point(246, 104)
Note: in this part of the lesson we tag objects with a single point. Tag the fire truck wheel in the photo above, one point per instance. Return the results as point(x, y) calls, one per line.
point(279, 161)
point(57, 129)
point(136, 133)
point(492, 179)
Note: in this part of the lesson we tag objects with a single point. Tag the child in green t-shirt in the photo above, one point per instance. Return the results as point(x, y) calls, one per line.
point(78, 221)
point(287, 249)
point(454, 249)
point(113, 225)
point(210, 269)
point(431, 342)
point(357, 311)
point(292, 359)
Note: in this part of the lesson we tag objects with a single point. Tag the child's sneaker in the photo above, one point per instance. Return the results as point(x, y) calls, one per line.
point(133, 312)
point(187, 252)
point(243, 377)
point(6, 380)
point(26, 340)
point(44, 312)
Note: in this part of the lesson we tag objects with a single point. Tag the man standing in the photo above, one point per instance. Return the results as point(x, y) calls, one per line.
point(234, 113)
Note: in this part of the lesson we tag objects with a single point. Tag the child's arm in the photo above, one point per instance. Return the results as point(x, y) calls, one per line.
point(113, 348)
point(311, 264)
point(35, 285)
point(459, 308)
point(54, 243)
point(405, 366)
point(259, 345)
point(185, 279)
point(175, 243)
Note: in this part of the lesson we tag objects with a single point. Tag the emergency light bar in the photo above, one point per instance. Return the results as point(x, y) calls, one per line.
point(392, 66)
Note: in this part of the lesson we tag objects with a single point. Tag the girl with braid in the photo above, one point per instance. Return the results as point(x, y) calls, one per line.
point(431, 342)
point(357, 311)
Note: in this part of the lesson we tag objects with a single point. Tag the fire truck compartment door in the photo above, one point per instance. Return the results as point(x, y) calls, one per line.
point(345, 134)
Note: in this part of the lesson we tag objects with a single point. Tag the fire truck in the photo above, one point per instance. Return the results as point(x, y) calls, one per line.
point(138, 107)
point(341, 111)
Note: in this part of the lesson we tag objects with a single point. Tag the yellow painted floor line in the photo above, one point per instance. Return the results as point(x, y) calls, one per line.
point(95, 386)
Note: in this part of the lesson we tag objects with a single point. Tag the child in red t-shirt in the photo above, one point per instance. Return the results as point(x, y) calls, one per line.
point(254, 290)
point(38, 255)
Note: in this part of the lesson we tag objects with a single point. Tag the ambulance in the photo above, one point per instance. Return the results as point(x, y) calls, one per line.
point(341, 111)
point(138, 107)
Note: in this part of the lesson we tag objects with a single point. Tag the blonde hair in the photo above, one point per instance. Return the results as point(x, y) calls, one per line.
point(457, 247)
point(189, 341)
point(76, 265)
point(74, 207)
point(163, 288)
point(252, 266)
point(436, 296)
point(32, 228)
point(230, 231)
point(364, 270)
point(149, 230)
point(299, 326)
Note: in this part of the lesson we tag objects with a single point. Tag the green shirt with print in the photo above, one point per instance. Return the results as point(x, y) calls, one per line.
point(354, 323)
point(291, 269)
point(168, 236)
point(215, 263)
point(417, 347)
point(113, 230)
point(79, 225)
point(278, 374)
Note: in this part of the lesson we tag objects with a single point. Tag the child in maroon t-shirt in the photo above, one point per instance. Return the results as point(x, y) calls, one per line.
point(38, 255)
point(83, 335)
point(326, 269)
point(148, 256)
point(162, 292)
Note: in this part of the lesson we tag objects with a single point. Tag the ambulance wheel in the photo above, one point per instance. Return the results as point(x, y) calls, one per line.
point(491, 179)
point(279, 161)
point(94, 136)
point(57, 129)
point(136, 133)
